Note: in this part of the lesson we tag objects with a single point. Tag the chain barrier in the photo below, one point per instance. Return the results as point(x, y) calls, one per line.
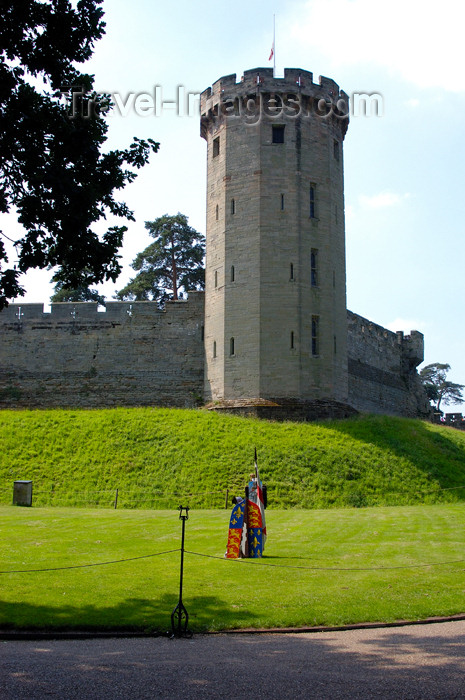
point(86, 566)
point(253, 562)
point(260, 562)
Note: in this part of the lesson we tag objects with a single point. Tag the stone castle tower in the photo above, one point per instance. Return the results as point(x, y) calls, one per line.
point(275, 302)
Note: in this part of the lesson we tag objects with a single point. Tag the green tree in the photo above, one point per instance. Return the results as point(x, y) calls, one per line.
point(438, 388)
point(173, 262)
point(53, 174)
point(63, 293)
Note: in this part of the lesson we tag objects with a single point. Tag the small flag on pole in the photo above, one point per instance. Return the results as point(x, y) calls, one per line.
point(272, 52)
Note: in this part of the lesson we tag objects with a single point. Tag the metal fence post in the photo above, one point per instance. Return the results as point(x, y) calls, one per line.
point(179, 616)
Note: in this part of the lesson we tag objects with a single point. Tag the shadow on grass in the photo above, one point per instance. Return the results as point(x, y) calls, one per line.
point(437, 453)
point(142, 614)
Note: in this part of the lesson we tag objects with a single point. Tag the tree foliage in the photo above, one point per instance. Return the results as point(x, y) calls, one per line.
point(438, 388)
point(173, 262)
point(82, 293)
point(53, 173)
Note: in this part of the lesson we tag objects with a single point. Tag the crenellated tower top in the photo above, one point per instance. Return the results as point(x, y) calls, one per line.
point(259, 94)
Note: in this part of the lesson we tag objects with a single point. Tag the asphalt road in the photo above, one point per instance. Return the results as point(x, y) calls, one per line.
point(424, 661)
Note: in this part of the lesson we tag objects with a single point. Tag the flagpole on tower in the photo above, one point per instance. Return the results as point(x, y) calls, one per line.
point(273, 50)
point(274, 46)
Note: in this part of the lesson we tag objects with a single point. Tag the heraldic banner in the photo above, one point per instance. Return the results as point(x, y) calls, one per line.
point(247, 527)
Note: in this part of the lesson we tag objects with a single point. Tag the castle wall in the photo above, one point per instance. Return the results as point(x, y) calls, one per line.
point(382, 369)
point(136, 355)
point(76, 356)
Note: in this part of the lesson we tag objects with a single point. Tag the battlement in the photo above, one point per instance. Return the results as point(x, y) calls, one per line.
point(255, 94)
point(412, 347)
point(113, 311)
point(295, 80)
point(382, 369)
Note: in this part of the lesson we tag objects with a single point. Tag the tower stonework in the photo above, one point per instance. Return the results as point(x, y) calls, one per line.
point(275, 302)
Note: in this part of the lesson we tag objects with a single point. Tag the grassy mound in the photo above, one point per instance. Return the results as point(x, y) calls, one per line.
point(155, 457)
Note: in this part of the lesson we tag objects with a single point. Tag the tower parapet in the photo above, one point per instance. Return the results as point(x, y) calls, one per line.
point(260, 94)
point(413, 349)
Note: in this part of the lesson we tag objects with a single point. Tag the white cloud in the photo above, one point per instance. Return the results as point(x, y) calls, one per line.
point(382, 200)
point(411, 39)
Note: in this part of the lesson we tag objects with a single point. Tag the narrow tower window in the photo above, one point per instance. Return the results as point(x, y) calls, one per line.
point(233, 273)
point(314, 267)
point(336, 149)
point(233, 206)
point(216, 278)
point(313, 201)
point(214, 348)
point(277, 133)
point(291, 271)
point(292, 340)
point(217, 212)
point(231, 346)
point(216, 147)
point(282, 202)
point(315, 336)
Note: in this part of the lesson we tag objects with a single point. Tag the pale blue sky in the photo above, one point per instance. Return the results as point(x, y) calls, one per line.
point(404, 171)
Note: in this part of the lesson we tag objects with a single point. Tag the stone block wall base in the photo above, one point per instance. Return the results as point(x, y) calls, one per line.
point(286, 409)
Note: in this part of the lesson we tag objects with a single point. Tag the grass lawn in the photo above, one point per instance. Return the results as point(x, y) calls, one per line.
point(308, 576)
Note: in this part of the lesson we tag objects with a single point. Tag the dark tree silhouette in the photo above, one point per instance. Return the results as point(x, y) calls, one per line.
point(438, 387)
point(53, 173)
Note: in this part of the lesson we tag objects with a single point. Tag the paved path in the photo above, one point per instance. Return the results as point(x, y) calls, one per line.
point(425, 661)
